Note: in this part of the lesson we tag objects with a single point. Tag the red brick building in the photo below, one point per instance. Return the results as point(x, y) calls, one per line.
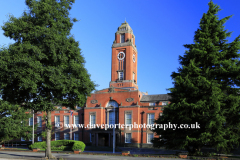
point(122, 103)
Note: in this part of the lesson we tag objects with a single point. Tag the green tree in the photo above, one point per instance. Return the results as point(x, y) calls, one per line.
point(206, 90)
point(13, 120)
point(44, 66)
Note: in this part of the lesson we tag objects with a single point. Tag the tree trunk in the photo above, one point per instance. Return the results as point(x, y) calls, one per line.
point(48, 140)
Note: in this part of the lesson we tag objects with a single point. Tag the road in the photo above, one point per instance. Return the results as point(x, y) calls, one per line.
point(5, 155)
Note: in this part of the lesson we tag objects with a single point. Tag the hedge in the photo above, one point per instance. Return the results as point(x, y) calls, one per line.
point(60, 145)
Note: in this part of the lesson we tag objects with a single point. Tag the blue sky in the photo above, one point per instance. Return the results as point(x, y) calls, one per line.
point(161, 28)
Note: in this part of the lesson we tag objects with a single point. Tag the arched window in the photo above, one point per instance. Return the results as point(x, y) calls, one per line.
point(111, 118)
point(112, 103)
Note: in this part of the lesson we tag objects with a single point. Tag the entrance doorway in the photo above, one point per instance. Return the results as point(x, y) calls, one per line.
point(103, 139)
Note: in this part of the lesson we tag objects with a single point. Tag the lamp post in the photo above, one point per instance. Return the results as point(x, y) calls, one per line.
point(114, 130)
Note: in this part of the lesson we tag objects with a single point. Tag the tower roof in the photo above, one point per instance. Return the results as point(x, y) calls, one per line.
point(125, 28)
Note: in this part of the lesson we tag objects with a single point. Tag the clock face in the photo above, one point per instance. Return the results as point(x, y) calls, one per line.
point(134, 58)
point(121, 55)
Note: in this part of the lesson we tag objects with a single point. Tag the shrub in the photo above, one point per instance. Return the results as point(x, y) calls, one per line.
point(79, 145)
point(60, 145)
point(40, 145)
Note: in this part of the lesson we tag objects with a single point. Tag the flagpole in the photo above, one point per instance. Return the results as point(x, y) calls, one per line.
point(71, 125)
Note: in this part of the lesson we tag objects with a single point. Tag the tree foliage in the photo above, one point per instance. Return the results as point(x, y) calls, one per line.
point(14, 122)
point(206, 90)
point(44, 66)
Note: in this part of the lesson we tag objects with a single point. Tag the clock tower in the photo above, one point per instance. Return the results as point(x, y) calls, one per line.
point(124, 59)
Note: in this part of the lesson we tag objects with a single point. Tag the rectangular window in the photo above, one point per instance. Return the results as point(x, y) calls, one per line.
point(111, 117)
point(31, 121)
point(92, 119)
point(57, 136)
point(120, 75)
point(164, 103)
point(57, 111)
point(122, 38)
point(150, 118)
point(66, 136)
point(133, 77)
point(128, 119)
point(39, 138)
point(22, 139)
point(39, 121)
point(128, 137)
point(149, 137)
point(76, 136)
point(76, 120)
point(66, 111)
point(66, 120)
point(151, 104)
point(57, 121)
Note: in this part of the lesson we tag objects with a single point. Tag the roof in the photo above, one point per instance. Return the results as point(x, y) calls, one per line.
point(155, 98)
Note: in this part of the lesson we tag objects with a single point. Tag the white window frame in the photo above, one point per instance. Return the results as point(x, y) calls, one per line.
point(39, 138)
point(65, 135)
point(39, 123)
point(126, 118)
point(74, 135)
point(126, 137)
point(74, 120)
point(120, 75)
point(164, 103)
point(56, 125)
point(91, 119)
point(22, 139)
point(148, 118)
point(56, 136)
point(65, 120)
point(151, 104)
point(148, 140)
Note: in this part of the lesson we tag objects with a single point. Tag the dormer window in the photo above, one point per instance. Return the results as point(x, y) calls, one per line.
point(122, 40)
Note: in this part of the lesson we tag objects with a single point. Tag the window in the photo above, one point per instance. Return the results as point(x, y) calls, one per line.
point(30, 121)
point(122, 38)
point(66, 120)
point(128, 137)
point(128, 118)
point(150, 119)
point(22, 139)
point(66, 136)
point(149, 137)
point(111, 118)
point(133, 77)
point(76, 136)
point(39, 138)
point(151, 104)
point(76, 120)
point(57, 111)
point(39, 121)
point(57, 136)
point(164, 103)
point(90, 137)
point(57, 121)
point(66, 111)
point(120, 75)
point(92, 119)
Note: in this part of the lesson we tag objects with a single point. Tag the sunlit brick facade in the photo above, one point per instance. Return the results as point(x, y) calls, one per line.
point(121, 103)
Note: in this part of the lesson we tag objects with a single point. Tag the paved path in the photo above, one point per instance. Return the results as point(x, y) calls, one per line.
point(6, 155)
